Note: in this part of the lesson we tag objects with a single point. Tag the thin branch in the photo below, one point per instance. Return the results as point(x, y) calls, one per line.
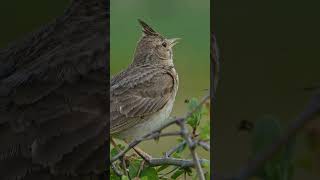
point(204, 145)
point(154, 134)
point(116, 170)
point(192, 147)
point(310, 112)
point(175, 162)
point(174, 149)
point(124, 166)
point(157, 135)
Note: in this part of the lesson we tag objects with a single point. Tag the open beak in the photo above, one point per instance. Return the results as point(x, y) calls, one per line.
point(173, 42)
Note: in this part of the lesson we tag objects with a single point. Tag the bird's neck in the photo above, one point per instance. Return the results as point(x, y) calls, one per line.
point(141, 59)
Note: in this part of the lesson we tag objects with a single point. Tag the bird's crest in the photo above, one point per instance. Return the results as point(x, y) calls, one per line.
point(146, 29)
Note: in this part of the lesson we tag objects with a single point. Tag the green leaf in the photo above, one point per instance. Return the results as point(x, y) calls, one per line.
point(206, 164)
point(163, 167)
point(114, 151)
point(144, 178)
point(113, 176)
point(125, 178)
point(176, 155)
point(150, 172)
point(205, 132)
point(177, 173)
point(194, 119)
point(134, 167)
point(188, 171)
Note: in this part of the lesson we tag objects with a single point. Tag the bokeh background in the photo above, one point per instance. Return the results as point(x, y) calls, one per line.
point(269, 54)
point(189, 20)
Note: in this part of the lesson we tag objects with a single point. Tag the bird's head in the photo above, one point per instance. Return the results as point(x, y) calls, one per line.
point(153, 47)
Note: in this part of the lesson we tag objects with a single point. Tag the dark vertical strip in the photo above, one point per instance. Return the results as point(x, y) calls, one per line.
point(214, 79)
point(212, 93)
point(108, 89)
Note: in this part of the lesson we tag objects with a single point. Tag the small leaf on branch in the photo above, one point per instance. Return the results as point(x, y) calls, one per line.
point(177, 173)
point(163, 167)
point(194, 119)
point(176, 155)
point(150, 173)
point(134, 167)
point(114, 150)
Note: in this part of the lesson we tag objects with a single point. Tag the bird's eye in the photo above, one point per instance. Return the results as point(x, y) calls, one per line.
point(164, 44)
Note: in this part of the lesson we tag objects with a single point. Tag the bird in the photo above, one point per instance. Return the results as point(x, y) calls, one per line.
point(142, 95)
point(54, 98)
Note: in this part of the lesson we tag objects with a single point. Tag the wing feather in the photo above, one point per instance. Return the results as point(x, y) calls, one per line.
point(136, 95)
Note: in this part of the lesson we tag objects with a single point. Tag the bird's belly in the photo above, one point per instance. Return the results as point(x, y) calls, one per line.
point(152, 123)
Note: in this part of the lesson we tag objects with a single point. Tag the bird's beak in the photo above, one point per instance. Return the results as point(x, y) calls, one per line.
point(173, 42)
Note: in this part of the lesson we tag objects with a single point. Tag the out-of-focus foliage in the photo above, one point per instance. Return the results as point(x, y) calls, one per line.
point(266, 130)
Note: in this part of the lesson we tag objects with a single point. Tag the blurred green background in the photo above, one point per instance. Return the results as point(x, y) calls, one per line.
point(189, 20)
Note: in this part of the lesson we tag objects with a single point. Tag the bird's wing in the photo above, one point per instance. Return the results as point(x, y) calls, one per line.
point(53, 101)
point(137, 95)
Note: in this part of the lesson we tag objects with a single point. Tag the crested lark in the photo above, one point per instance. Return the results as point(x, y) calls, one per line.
point(142, 95)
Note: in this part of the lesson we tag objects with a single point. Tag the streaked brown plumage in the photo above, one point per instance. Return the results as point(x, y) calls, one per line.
point(142, 96)
point(53, 98)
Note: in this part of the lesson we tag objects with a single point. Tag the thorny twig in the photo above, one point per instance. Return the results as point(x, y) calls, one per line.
point(174, 149)
point(192, 146)
point(175, 161)
point(204, 145)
